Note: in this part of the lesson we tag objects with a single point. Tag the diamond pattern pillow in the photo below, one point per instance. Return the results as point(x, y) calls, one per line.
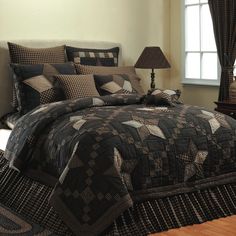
point(94, 57)
point(106, 70)
point(113, 84)
point(164, 97)
point(35, 85)
point(25, 55)
point(77, 86)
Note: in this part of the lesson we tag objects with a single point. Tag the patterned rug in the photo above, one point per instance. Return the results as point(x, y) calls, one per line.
point(13, 224)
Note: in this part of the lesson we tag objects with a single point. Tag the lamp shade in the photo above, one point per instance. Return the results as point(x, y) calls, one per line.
point(152, 58)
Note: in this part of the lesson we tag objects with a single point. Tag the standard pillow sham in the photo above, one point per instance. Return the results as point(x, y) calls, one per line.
point(94, 57)
point(77, 86)
point(105, 70)
point(35, 85)
point(113, 84)
point(26, 55)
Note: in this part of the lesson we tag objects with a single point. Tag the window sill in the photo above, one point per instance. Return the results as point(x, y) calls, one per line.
point(201, 83)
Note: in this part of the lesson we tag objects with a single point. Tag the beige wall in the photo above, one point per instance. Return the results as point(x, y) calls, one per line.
point(196, 95)
point(133, 23)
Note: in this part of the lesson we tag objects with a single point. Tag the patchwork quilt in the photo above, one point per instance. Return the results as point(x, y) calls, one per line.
point(104, 153)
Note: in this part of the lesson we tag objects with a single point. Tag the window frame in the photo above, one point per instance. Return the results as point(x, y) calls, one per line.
point(191, 81)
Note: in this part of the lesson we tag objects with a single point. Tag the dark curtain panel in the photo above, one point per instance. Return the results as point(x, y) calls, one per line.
point(223, 14)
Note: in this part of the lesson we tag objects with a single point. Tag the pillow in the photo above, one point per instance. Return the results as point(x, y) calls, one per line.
point(94, 57)
point(24, 55)
point(103, 70)
point(163, 97)
point(77, 86)
point(35, 84)
point(10, 119)
point(113, 84)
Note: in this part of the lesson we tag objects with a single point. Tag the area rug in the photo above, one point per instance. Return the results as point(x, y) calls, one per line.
point(13, 224)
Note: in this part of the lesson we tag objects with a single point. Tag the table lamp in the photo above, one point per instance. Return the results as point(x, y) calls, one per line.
point(152, 58)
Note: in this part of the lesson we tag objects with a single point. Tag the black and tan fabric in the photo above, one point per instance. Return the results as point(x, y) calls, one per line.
point(223, 14)
point(164, 97)
point(104, 70)
point(112, 84)
point(143, 218)
point(123, 152)
point(77, 86)
point(35, 85)
point(10, 119)
point(25, 55)
point(94, 57)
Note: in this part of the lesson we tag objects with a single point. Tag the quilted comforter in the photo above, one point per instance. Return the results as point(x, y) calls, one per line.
point(104, 153)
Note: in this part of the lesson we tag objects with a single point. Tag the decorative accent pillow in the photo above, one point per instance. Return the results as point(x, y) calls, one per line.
point(25, 55)
point(95, 57)
point(164, 97)
point(10, 119)
point(103, 70)
point(35, 84)
point(111, 84)
point(77, 86)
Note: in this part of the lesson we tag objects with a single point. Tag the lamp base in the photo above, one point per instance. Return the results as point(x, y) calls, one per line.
point(153, 80)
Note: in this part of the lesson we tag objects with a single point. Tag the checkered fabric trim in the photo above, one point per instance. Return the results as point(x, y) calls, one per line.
point(14, 102)
point(96, 57)
point(79, 56)
point(24, 55)
point(30, 199)
point(77, 86)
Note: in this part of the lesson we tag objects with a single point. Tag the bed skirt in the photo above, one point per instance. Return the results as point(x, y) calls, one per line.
point(30, 199)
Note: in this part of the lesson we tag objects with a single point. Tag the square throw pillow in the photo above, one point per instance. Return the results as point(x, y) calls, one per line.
point(77, 86)
point(25, 55)
point(94, 57)
point(113, 84)
point(106, 70)
point(35, 84)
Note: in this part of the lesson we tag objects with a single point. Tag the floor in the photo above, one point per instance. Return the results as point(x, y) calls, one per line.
point(221, 227)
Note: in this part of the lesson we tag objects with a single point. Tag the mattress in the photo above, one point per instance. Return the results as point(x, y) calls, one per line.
point(4, 136)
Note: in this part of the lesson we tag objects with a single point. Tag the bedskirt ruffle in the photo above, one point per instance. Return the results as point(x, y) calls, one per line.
point(30, 199)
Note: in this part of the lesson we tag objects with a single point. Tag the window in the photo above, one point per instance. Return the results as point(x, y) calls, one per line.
point(200, 54)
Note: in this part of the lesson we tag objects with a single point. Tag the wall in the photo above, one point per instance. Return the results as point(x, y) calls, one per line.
point(196, 95)
point(133, 23)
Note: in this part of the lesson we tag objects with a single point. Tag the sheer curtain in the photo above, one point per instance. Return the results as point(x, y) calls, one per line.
point(223, 14)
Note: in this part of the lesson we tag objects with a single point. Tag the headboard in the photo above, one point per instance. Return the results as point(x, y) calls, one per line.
point(5, 74)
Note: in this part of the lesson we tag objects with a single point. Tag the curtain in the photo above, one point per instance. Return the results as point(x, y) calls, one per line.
point(223, 14)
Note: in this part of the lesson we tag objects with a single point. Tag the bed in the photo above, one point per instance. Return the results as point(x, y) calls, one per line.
point(151, 166)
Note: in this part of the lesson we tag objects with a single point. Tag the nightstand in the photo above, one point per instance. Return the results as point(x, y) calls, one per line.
point(227, 107)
